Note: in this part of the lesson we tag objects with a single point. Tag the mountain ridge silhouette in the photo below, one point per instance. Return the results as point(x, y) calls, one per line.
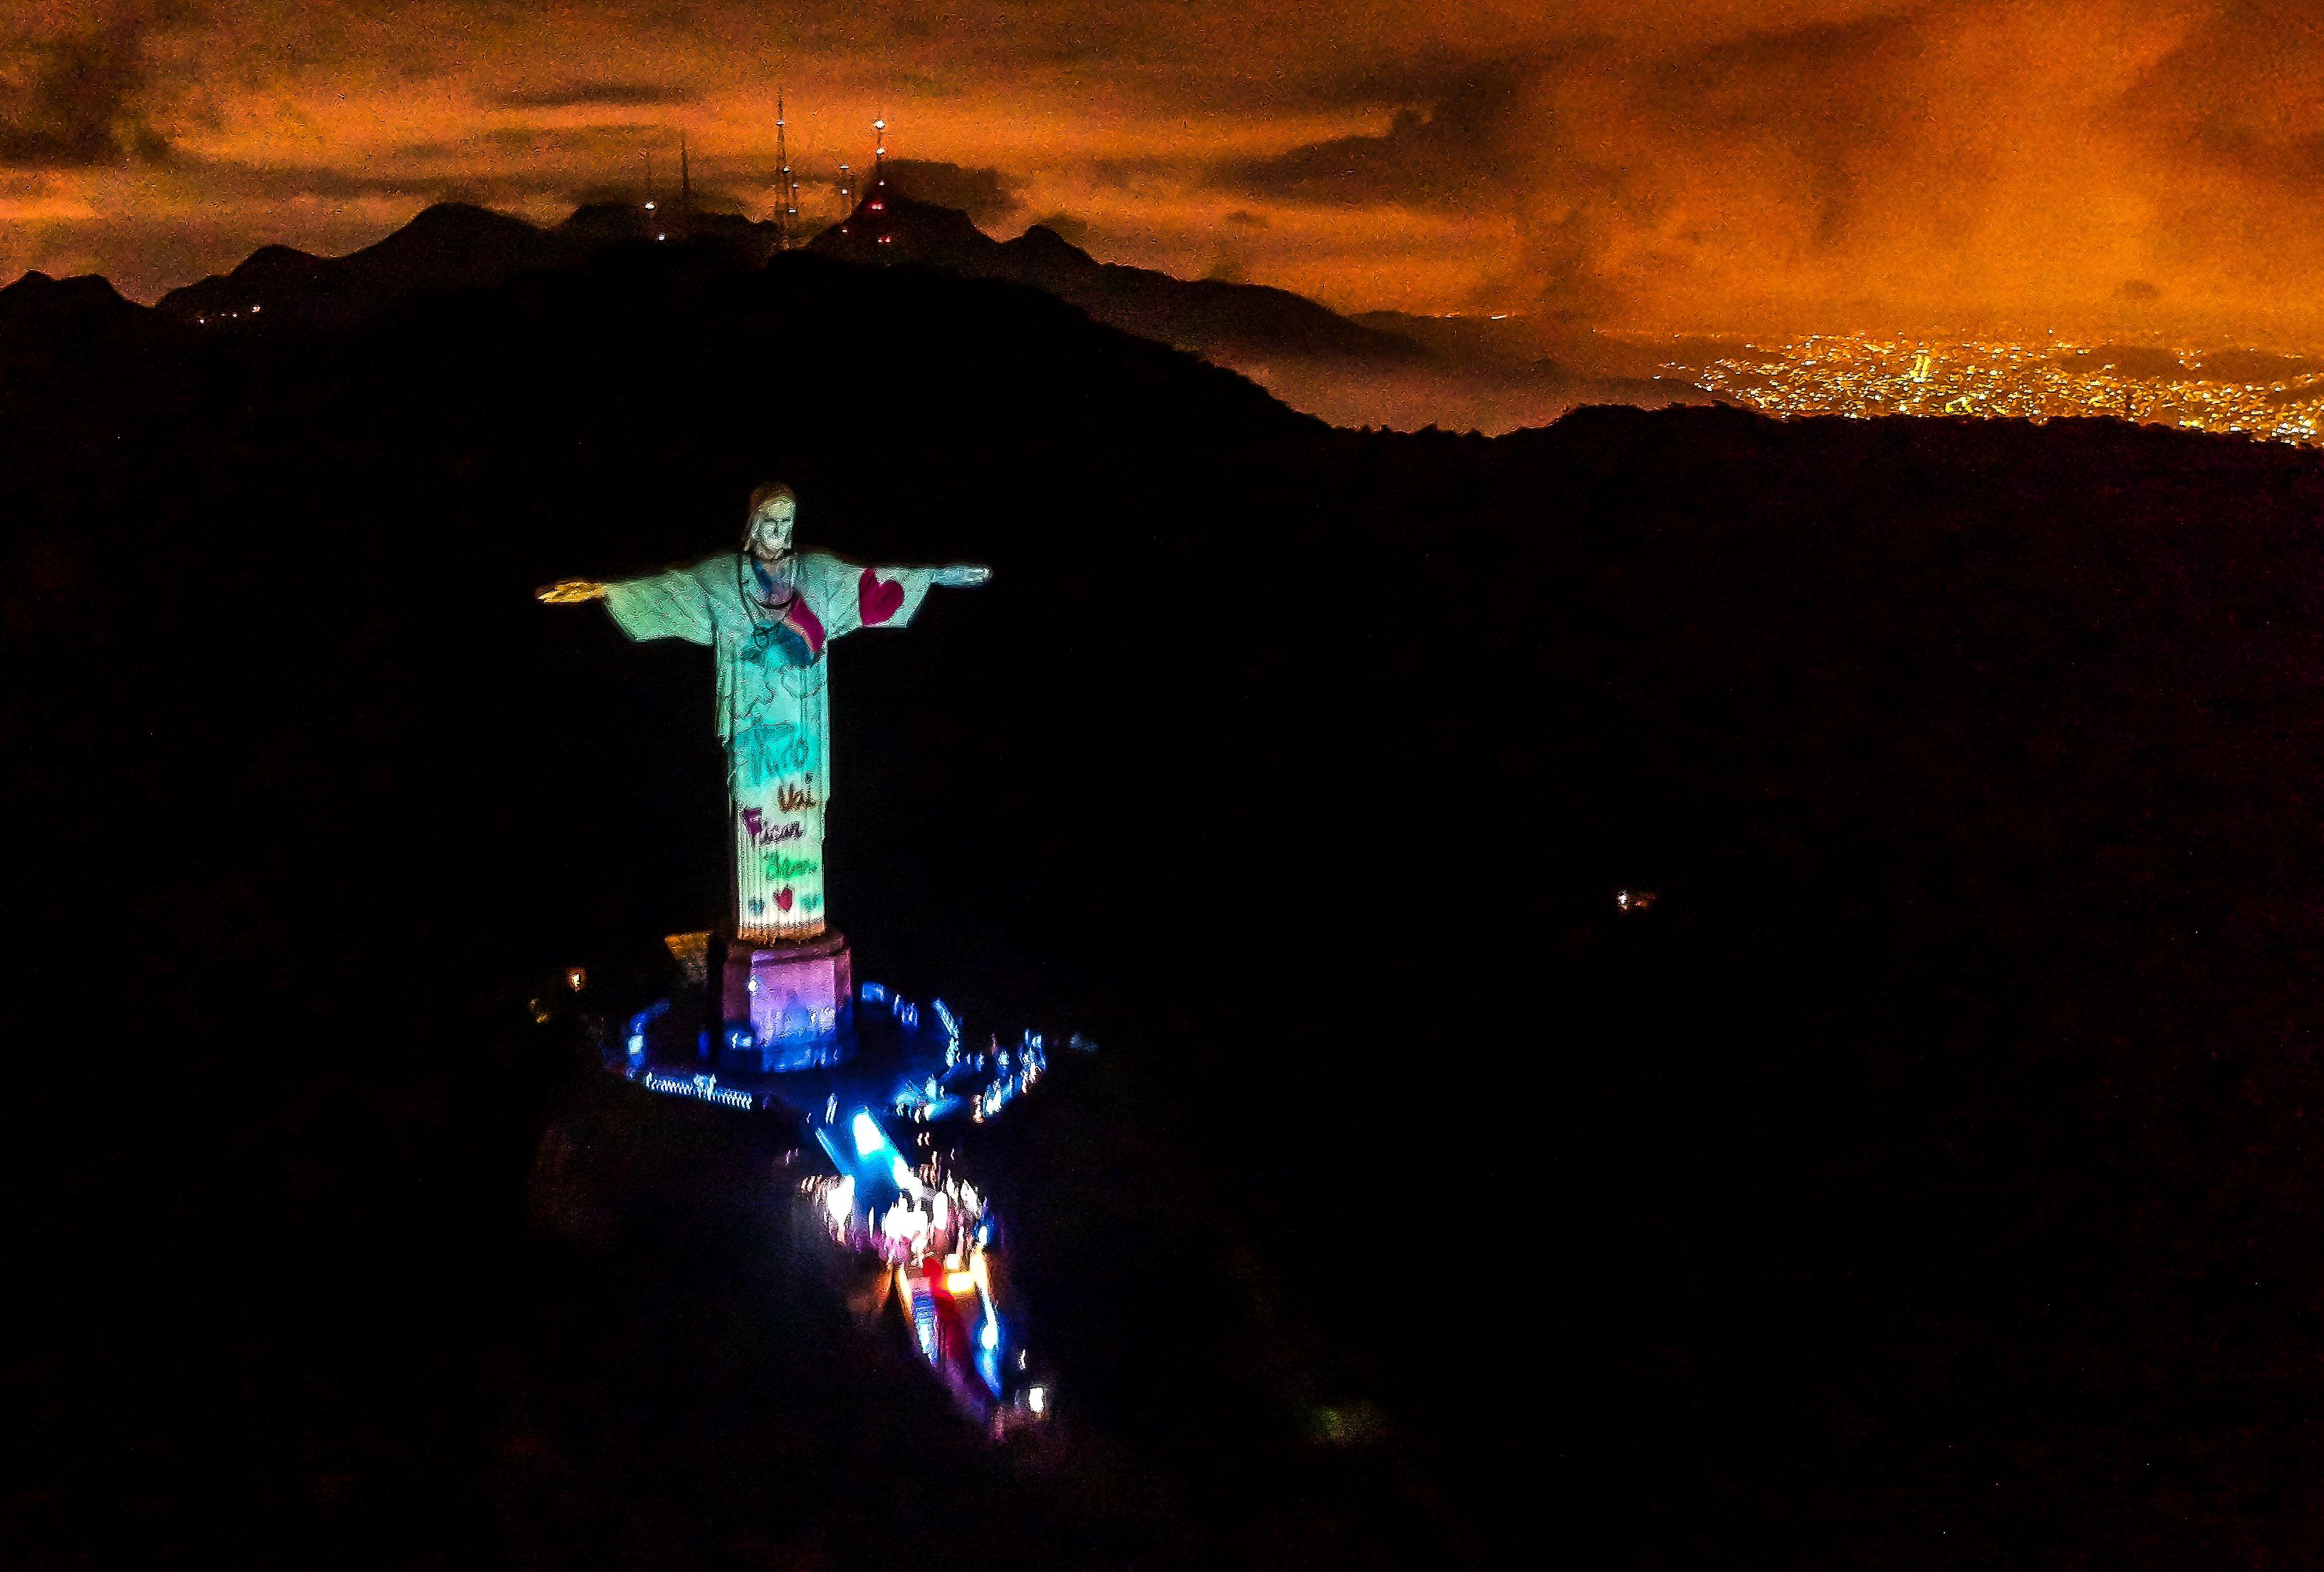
point(1376, 368)
point(454, 245)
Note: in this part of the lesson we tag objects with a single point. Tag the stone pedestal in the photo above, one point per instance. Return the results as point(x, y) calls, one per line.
point(795, 1000)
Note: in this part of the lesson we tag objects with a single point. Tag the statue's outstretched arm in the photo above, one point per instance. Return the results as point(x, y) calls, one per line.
point(960, 576)
point(569, 592)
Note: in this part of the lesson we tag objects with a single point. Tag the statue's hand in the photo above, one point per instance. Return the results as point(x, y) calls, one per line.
point(570, 592)
point(962, 575)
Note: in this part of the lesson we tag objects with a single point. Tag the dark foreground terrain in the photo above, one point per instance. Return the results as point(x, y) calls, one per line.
point(1924, 1179)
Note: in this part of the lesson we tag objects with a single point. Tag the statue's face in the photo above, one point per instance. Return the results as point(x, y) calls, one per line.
point(771, 528)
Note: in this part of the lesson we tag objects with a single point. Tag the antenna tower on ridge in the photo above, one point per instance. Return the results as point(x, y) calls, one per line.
point(684, 193)
point(878, 193)
point(789, 219)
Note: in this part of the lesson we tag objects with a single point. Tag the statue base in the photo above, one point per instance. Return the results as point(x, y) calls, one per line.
point(786, 1006)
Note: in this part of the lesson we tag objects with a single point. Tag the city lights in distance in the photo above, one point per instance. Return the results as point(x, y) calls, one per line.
point(1861, 376)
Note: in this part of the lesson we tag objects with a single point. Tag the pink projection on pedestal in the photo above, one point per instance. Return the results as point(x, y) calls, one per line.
point(796, 998)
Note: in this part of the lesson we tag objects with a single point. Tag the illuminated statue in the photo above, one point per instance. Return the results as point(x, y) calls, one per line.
point(770, 612)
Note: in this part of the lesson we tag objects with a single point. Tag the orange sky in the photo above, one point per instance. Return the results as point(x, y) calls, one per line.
point(2116, 165)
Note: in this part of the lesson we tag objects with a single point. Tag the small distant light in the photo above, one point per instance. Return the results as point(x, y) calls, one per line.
point(1037, 1398)
point(576, 977)
point(868, 1138)
point(960, 1282)
point(992, 1333)
point(649, 207)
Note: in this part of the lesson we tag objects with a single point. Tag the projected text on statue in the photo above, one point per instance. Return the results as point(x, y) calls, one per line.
point(769, 613)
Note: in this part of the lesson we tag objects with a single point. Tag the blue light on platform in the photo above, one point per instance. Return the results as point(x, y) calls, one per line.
point(866, 1130)
point(703, 1086)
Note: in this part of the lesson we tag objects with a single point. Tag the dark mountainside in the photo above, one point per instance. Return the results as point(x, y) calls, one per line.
point(1211, 316)
point(1923, 1180)
point(455, 245)
point(1386, 369)
point(1383, 368)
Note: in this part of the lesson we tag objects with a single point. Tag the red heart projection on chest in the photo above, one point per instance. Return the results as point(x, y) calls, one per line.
point(878, 600)
point(783, 899)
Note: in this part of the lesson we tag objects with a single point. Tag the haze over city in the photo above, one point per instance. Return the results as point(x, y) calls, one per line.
point(2125, 168)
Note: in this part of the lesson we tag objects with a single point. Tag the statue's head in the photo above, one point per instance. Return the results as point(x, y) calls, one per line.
point(774, 509)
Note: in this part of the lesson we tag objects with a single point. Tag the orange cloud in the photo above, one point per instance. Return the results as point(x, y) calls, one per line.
point(1712, 164)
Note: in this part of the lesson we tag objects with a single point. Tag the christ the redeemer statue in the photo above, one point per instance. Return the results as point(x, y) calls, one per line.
point(769, 614)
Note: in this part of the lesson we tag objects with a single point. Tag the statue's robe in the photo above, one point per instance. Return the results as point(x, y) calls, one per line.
point(774, 704)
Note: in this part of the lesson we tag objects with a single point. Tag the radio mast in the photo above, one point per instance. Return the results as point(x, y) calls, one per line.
point(789, 221)
point(877, 197)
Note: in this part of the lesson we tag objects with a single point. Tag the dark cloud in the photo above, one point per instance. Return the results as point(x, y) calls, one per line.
point(983, 194)
point(70, 97)
point(594, 96)
point(1450, 151)
point(2238, 91)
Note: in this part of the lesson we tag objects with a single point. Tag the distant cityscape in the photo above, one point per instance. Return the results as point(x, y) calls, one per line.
point(2274, 397)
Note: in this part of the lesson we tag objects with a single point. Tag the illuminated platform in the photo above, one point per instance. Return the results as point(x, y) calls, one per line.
point(871, 1083)
point(786, 1006)
point(869, 1047)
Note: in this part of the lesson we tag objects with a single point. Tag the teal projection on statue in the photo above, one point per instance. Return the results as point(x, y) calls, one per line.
point(769, 614)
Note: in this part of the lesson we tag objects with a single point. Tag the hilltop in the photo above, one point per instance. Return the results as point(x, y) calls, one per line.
point(1383, 369)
